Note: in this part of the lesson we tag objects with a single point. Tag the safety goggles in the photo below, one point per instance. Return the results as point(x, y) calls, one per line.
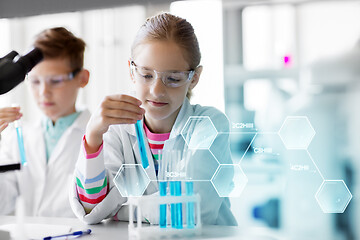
point(172, 79)
point(54, 81)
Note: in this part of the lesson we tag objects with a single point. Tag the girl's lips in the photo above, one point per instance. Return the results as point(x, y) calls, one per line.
point(47, 104)
point(157, 104)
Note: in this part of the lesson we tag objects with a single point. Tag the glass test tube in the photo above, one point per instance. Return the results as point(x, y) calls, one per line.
point(172, 205)
point(190, 214)
point(162, 187)
point(190, 211)
point(20, 140)
point(141, 142)
point(163, 166)
point(178, 207)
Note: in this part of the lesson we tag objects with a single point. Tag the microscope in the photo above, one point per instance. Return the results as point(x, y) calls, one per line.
point(12, 72)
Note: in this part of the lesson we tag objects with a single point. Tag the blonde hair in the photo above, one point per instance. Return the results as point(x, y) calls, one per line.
point(168, 27)
point(60, 43)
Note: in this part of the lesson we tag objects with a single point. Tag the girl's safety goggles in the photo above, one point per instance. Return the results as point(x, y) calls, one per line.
point(172, 79)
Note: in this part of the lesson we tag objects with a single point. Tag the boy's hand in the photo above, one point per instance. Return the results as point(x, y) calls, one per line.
point(115, 109)
point(8, 115)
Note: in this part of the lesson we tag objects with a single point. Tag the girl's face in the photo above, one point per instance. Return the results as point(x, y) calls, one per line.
point(161, 103)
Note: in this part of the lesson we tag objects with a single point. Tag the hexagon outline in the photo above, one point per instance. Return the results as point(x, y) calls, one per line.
point(247, 149)
point(199, 117)
point(216, 172)
point(321, 187)
point(215, 159)
point(297, 117)
point(130, 164)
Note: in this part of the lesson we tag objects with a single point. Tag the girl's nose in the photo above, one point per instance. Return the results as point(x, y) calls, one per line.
point(157, 87)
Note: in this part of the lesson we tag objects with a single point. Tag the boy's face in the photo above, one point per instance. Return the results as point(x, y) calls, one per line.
point(55, 93)
point(161, 103)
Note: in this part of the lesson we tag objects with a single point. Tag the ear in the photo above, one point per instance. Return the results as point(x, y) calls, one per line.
point(196, 77)
point(130, 71)
point(84, 77)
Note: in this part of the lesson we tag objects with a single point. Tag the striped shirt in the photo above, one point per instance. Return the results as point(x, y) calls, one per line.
point(93, 188)
point(156, 144)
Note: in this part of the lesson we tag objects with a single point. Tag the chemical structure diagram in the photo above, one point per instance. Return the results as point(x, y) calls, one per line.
point(227, 176)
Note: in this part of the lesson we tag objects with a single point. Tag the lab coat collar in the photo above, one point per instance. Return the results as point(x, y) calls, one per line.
point(185, 112)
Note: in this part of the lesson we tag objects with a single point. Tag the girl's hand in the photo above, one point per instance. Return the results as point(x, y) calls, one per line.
point(115, 109)
point(8, 115)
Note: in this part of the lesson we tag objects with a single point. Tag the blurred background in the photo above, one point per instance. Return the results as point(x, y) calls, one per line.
point(263, 61)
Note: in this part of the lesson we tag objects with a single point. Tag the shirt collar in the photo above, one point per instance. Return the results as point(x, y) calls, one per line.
point(61, 123)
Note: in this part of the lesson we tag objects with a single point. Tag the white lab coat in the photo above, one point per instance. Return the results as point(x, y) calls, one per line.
point(121, 146)
point(43, 186)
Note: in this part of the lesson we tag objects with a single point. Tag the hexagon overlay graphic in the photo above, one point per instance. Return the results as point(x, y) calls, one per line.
point(333, 196)
point(296, 132)
point(131, 180)
point(202, 165)
point(199, 132)
point(229, 180)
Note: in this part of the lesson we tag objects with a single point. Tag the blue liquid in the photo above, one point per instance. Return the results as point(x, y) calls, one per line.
point(162, 187)
point(21, 145)
point(178, 220)
point(172, 206)
point(190, 215)
point(141, 141)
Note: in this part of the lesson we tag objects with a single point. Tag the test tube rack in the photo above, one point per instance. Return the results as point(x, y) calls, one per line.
point(145, 231)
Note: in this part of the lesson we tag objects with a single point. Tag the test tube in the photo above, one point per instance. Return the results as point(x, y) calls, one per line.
point(173, 211)
point(176, 169)
point(20, 139)
point(162, 188)
point(141, 142)
point(173, 158)
point(190, 214)
point(178, 207)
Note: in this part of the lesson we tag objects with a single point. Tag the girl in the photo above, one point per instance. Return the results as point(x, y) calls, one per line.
point(164, 68)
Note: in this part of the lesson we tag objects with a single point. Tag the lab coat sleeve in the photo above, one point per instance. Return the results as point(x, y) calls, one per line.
point(9, 187)
point(113, 201)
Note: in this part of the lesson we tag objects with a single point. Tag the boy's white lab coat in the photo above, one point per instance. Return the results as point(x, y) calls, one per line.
point(121, 146)
point(43, 185)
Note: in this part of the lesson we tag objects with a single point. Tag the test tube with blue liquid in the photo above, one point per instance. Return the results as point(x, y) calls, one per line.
point(175, 188)
point(141, 142)
point(190, 211)
point(20, 139)
point(162, 188)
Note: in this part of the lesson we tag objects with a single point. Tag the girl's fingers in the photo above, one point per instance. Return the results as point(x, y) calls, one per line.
point(123, 106)
point(124, 98)
point(113, 121)
point(120, 114)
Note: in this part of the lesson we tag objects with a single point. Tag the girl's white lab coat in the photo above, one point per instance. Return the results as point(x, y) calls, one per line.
point(120, 146)
point(43, 185)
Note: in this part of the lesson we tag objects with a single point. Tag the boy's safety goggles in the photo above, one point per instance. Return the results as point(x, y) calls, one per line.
point(53, 81)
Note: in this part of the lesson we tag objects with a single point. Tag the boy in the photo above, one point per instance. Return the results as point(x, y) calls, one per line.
point(52, 145)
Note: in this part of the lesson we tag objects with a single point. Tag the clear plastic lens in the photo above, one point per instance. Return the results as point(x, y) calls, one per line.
point(52, 81)
point(170, 79)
